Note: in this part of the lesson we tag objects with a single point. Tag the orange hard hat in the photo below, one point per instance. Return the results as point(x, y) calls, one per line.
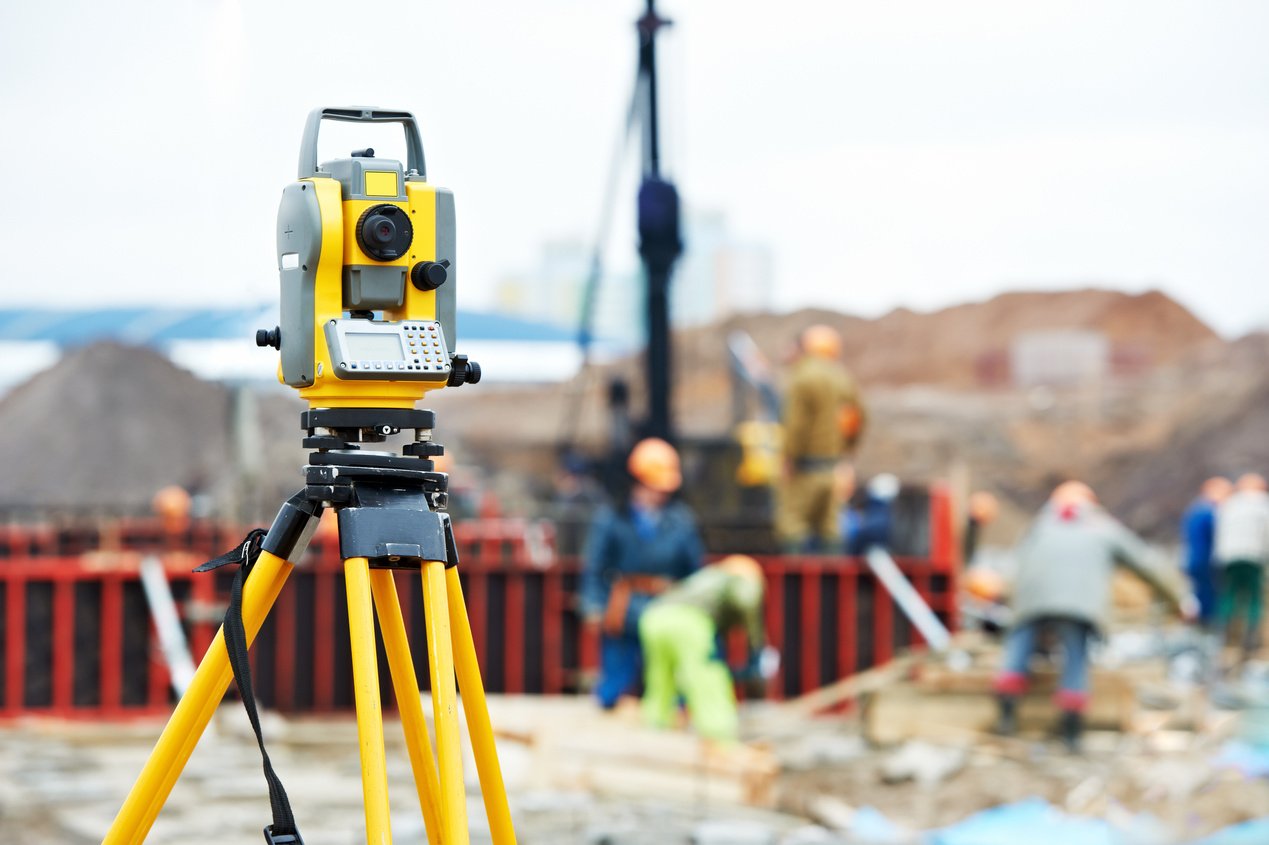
point(984, 583)
point(1217, 488)
point(655, 464)
point(822, 341)
point(742, 566)
point(1073, 493)
point(983, 507)
point(172, 502)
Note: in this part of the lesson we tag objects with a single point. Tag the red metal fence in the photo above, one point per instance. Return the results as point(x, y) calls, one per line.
point(78, 640)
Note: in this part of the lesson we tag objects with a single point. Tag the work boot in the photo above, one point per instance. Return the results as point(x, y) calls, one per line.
point(1070, 729)
point(1007, 721)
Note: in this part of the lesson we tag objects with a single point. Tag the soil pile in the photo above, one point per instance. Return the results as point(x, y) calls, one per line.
point(109, 425)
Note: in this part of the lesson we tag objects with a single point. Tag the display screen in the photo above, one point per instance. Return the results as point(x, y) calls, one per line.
point(365, 346)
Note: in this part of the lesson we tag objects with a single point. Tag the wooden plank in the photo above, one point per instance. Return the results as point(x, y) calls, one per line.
point(903, 711)
point(839, 692)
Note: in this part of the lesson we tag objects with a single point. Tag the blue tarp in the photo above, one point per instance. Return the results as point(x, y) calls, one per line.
point(1036, 822)
point(1255, 832)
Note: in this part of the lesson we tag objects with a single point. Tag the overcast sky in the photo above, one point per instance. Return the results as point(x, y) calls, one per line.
point(889, 153)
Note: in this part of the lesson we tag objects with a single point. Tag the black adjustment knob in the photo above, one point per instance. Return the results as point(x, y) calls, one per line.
point(269, 337)
point(429, 275)
point(463, 371)
point(423, 449)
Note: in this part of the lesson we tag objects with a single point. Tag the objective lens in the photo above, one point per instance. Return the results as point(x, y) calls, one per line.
point(384, 232)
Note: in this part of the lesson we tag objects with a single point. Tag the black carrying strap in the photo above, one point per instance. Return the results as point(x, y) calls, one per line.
point(283, 830)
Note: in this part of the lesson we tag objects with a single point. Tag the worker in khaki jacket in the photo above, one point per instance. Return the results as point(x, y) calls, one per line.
point(680, 631)
point(823, 420)
point(633, 553)
point(1063, 586)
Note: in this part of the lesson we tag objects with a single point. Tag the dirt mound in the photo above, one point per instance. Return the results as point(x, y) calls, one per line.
point(1222, 434)
point(109, 425)
point(947, 347)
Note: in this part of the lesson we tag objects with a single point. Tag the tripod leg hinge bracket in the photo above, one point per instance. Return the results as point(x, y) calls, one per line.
point(293, 527)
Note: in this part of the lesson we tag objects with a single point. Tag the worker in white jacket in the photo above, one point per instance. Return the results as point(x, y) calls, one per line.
point(1242, 549)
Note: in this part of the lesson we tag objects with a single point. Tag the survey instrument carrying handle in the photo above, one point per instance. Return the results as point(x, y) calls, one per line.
point(361, 114)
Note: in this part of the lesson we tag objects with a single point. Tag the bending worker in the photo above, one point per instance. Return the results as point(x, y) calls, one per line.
point(1065, 567)
point(633, 553)
point(823, 420)
point(680, 632)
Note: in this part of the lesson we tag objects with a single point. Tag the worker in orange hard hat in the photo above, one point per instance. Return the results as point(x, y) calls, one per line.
point(982, 511)
point(1198, 534)
point(172, 506)
point(1242, 551)
point(823, 421)
point(634, 551)
point(1062, 586)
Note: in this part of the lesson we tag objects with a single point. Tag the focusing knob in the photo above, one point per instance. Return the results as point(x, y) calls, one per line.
point(429, 275)
point(463, 371)
point(269, 337)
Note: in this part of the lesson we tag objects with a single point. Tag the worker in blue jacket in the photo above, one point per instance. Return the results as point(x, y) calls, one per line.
point(633, 553)
point(1198, 532)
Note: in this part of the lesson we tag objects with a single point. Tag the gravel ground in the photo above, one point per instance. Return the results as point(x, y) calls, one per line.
point(61, 783)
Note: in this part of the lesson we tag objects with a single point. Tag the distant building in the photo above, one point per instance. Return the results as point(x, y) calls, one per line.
point(1059, 358)
point(717, 276)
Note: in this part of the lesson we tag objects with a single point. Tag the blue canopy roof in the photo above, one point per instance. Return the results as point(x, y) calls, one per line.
point(158, 326)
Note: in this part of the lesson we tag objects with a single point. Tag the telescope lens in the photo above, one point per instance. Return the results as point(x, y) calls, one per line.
point(384, 232)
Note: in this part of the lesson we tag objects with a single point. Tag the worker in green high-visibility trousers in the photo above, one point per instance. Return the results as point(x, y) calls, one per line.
point(679, 632)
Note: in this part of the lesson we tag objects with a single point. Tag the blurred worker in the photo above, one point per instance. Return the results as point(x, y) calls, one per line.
point(871, 524)
point(982, 511)
point(680, 631)
point(574, 496)
point(172, 506)
point(1198, 533)
point(633, 553)
point(1063, 583)
point(1242, 547)
point(823, 420)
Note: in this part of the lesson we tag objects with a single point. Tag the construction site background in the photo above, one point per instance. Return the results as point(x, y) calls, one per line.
point(896, 747)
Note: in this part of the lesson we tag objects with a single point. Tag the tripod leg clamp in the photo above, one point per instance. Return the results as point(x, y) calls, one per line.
point(272, 838)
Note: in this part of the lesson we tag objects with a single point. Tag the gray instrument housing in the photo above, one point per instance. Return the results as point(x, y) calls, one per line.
point(366, 287)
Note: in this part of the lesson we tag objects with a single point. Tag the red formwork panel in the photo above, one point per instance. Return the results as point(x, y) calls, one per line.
point(827, 615)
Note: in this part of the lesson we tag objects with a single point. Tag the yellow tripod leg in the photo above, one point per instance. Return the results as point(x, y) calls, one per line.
point(365, 665)
point(406, 684)
point(194, 710)
point(440, 654)
point(479, 727)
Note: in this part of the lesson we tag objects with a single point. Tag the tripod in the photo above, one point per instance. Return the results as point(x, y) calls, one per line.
point(389, 509)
